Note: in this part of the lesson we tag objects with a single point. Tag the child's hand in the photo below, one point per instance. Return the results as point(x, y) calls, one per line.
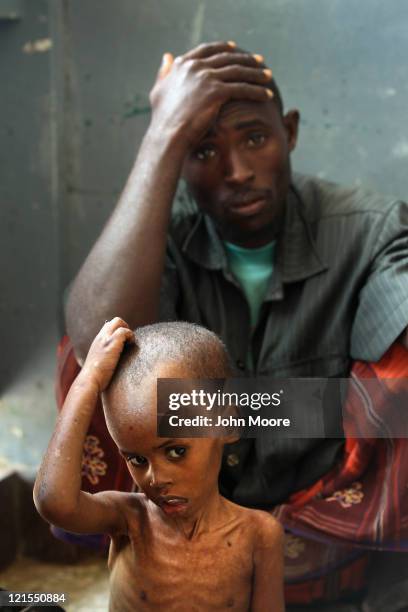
point(105, 351)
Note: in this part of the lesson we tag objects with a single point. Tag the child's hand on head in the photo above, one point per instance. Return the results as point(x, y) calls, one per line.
point(105, 351)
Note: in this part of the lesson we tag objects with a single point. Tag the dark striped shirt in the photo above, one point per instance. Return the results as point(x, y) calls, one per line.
point(339, 292)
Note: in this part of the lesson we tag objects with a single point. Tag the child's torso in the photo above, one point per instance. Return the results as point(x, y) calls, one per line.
point(157, 568)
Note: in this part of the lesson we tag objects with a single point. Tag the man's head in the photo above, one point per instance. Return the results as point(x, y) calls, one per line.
point(239, 173)
point(177, 474)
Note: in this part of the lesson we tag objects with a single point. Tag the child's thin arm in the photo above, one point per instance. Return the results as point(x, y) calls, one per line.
point(57, 491)
point(267, 594)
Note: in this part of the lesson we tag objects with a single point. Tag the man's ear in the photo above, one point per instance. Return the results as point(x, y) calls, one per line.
point(291, 123)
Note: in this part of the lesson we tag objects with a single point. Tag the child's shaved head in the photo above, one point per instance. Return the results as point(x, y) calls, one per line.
point(161, 350)
point(198, 351)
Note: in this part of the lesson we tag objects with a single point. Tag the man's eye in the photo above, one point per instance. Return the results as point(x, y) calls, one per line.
point(256, 139)
point(176, 452)
point(137, 460)
point(205, 152)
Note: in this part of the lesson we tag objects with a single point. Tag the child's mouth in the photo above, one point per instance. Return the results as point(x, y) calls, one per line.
point(172, 505)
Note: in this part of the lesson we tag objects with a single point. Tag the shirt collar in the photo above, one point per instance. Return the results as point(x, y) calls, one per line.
point(204, 246)
point(298, 257)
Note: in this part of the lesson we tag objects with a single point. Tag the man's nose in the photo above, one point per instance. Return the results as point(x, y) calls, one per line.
point(238, 170)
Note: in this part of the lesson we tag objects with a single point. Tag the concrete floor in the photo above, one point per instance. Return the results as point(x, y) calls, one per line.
point(85, 584)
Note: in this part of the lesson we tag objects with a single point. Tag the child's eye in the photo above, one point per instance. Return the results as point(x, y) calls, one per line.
point(176, 452)
point(205, 152)
point(137, 460)
point(256, 139)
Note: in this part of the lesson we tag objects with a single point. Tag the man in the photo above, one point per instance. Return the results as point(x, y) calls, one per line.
point(296, 275)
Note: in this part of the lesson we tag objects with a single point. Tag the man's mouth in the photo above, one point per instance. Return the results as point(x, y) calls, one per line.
point(171, 504)
point(247, 204)
point(247, 209)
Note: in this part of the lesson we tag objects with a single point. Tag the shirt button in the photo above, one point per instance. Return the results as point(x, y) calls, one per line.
point(240, 364)
point(232, 460)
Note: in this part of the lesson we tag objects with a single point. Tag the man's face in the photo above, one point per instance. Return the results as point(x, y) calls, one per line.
point(179, 475)
point(239, 174)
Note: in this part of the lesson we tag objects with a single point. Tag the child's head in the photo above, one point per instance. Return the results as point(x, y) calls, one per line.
point(178, 474)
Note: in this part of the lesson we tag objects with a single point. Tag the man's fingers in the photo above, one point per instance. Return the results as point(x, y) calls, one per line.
point(208, 49)
point(238, 74)
point(227, 59)
point(167, 62)
point(244, 91)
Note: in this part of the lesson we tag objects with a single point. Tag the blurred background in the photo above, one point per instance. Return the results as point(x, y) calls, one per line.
point(74, 84)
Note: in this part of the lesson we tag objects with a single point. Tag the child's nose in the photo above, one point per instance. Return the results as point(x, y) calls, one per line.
point(157, 479)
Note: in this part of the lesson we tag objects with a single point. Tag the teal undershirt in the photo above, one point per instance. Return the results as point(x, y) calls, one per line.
point(253, 269)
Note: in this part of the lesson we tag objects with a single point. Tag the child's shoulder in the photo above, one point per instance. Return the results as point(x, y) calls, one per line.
point(268, 526)
point(259, 519)
point(132, 501)
point(263, 525)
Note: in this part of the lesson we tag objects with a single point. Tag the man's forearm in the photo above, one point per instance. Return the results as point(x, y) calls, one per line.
point(58, 484)
point(122, 274)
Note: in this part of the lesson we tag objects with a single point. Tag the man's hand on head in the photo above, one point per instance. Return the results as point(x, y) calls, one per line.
point(190, 89)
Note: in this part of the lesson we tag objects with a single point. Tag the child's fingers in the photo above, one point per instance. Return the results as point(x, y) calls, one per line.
point(110, 326)
point(122, 335)
point(115, 323)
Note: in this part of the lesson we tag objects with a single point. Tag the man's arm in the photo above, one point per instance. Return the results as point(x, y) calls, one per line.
point(57, 490)
point(382, 313)
point(267, 594)
point(122, 273)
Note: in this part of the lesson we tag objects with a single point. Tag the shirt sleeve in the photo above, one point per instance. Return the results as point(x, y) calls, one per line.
point(382, 313)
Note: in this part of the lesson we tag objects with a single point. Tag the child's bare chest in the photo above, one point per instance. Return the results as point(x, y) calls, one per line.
point(161, 571)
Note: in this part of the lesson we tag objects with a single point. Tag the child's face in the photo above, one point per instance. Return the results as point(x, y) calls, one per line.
point(178, 475)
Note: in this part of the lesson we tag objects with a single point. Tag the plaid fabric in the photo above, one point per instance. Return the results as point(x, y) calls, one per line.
point(361, 504)
point(364, 499)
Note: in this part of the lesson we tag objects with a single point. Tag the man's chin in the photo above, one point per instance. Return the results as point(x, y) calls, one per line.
point(253, 232)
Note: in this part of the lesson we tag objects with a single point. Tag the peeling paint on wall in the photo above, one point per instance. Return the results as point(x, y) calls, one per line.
point(387, 92)
point(401, 149)
point(138, 106)
point(42, 45)
point(16, 431)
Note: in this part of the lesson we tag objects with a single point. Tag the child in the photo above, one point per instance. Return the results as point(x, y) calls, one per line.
point(176, 544)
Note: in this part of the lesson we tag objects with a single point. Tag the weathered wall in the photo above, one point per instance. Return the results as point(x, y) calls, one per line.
point(29, 258)
point(341, 62)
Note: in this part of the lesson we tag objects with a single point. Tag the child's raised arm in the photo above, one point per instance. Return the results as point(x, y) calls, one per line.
point(57, 490)
point(267, 593)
